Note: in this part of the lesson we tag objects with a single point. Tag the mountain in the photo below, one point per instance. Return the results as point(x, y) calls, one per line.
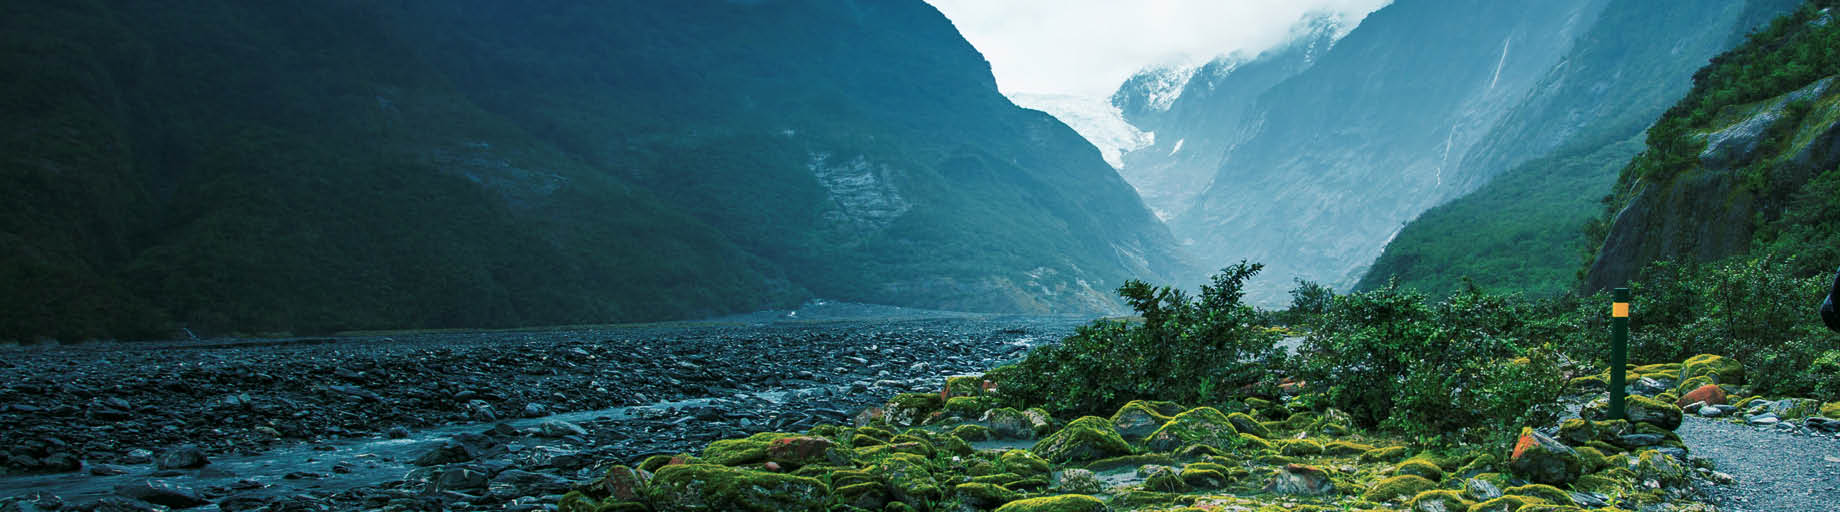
point(1747, 163)
point(1559, 150)
point(1342, 155)
point(1196, 116)
point(1098, 121)
point(271, 167)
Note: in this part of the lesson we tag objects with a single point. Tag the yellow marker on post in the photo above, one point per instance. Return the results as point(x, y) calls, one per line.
point(1619, 339)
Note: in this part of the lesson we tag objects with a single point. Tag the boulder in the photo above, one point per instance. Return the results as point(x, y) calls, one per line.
point(698, 487)
point(1709, 394)
point(1439, 501)
point(1640, 409)
point(910, 409)
point(1201, 425)
point(983, 496)
point(1723, 370)
point(162, 494)
point(1137, 419)
point(1009, 423)
point(1246, 424)
point(806, 450)
point(1793, 408)
point(1080, 481)
point(1398, 488)
point(1164, 479)
point(1662, 469)
point(1062, 503)
point(1301, 480)
point(1541, 459)
point(1086, 439)
point(183, 457)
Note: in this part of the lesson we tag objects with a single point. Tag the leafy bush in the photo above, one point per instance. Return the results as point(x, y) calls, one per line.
point(1393, 360)
point(1749, 308)
point(1186, 349)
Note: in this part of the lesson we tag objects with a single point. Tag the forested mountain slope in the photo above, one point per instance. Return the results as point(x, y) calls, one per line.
point(271, 166)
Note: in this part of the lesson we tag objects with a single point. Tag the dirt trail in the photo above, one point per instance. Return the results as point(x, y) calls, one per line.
point(1775, 471)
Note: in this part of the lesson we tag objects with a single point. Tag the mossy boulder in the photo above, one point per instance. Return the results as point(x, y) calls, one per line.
point(1541, 459)
point(969, 406)
point(1343, 448)
point(1504, 504)
point(1726, 370)
point(1246, 424)
point(1387, 454)
point(972, 433)
point(1640, 409)
point(1206, 475)
point(1301, 480)
point(1079, 481)
point(1662, 468)
point(1164, 479)
point(1062, 503)
point(909, 478)
point(699, 487)
point(984, 496)
point(1795, 408)
point(964, 385)
point(1577, 431)
point(1023, 462)
point(1250, 442)
point(1201, 425)
point(1398, 487)
point(1009, 423)
point(1132, 461)
point(1301, 448)
point(1831, 410)
point(910, 409)
point(1545, 493)
point(1137, 419)
point(1420, 467)
point(749, 450)
point(1709, 394)
point(1440, 500)
point(1587, 384)
point(1086, 439)
point(864, 495)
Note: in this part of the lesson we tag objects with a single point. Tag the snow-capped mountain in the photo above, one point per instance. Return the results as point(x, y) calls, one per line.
point(1094, 118)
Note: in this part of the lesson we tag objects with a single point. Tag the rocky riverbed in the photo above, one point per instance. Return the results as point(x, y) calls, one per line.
point(454, 421)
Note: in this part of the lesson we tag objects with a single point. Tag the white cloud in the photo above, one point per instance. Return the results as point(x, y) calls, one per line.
point(1088, 47)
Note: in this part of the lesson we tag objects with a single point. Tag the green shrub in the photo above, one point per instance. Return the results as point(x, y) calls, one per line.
point(1452, 368)
point(1184, 350)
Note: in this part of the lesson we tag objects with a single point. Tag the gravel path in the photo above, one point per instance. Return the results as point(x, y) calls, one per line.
point(1775, 471)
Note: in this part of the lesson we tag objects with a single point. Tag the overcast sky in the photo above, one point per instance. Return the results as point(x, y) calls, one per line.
point(1088, 47)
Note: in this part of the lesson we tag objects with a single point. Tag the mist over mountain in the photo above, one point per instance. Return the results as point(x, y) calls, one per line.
point(258, 167)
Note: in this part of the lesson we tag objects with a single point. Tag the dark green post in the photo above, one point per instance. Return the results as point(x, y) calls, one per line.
point(1619, 343)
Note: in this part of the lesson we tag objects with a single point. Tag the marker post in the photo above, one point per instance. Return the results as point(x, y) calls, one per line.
point(1619, 343)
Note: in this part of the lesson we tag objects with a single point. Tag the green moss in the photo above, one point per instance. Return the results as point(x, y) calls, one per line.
point(1301, 421)
point(1420, 467)
point(1546, 493)
point(912, 408)
point(983, 495)
point(1301, 448)
point(1387, 454)
point(1505, 504)
point(1165, 479)
point(1023, 462)
point(1728, 370)
point(1206, 475)
point(575, 501)
point(1587, 384)
point(1062, 503)
point(1483, 463)
point(1131, 461)
point(1592, 458)
point(1831, 410)
point(1138, 418)
point(876, 433)
point(965, 385)
point(847, 477)
point(1692, 383)
point(1398, 487)
point(972, 433)
point(1577, 431)
point(1201, 425)
point(969, 407)
point(715, 487)
point(1340, 448)
point(652, 463)
point(1255, 443)
point(909, 478)
point(1449, 500)
point(1601, 483)
point(1245, 424)
point(1087, 438)
point(864, 441)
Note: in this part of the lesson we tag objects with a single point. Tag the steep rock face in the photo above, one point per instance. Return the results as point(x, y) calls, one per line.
point(1198, 116)
point(1549, 161)
point(253, 167)
point(1346, 152)
point(1714, 209)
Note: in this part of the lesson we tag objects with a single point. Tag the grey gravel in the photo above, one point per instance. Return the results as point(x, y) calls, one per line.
point(1774, 471)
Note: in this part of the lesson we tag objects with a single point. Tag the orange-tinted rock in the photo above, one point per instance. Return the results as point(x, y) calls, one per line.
point(1711, 394)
